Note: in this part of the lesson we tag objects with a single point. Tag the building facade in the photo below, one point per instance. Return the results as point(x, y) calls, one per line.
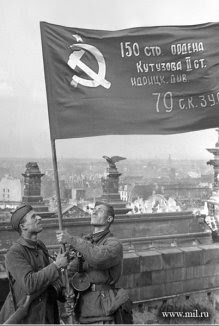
point(10, 189)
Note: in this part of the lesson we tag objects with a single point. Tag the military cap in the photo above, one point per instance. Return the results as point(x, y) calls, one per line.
point(18, 214)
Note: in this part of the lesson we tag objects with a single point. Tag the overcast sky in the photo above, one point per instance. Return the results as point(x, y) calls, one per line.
point(24, 127)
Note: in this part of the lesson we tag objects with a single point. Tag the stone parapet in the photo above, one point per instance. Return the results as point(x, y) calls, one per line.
point(161, 273)
point(139, 232)
point(158, 277)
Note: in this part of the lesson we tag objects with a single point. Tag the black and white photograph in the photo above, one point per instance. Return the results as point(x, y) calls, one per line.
point(109, 162)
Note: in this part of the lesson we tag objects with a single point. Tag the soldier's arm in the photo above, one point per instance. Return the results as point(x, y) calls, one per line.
point(101, 256)
point(23, 272)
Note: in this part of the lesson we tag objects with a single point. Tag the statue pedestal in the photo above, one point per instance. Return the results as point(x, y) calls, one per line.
point(32, 188)
point(110, 185)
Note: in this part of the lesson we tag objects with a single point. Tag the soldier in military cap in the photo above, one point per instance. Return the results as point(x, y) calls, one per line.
point(101, 268)
point(31, 271)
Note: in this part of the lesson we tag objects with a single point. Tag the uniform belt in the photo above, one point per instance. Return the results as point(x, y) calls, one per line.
point(100, 287)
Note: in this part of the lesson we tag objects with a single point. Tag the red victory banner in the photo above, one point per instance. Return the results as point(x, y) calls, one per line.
point(146, 80)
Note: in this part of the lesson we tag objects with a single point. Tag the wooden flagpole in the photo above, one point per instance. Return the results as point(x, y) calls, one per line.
point(56, 177)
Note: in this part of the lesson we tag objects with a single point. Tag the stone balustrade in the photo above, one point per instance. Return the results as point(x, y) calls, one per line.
point(160, 273)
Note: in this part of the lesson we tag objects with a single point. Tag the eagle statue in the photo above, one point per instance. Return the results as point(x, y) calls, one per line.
point(112, 160)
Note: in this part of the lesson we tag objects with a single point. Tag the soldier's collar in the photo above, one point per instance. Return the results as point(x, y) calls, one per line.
point(96, 237)
point(28, 243)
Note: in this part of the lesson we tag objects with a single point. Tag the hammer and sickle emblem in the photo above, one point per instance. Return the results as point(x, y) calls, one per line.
point(97, 79)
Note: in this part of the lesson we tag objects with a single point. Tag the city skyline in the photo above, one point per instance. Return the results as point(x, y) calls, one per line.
point(24, 129)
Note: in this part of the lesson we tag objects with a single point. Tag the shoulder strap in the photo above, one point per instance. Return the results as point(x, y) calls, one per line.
point(42, 246)
point(12, 290)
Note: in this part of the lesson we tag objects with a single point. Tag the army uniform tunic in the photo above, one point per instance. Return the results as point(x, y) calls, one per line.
point(28, 264)
point(103, 259)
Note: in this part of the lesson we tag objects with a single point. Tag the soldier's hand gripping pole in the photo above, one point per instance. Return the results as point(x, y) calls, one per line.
point(69, 296)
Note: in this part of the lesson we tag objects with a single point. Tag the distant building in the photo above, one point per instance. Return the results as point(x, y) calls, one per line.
point(184, 191)
point(143, 191)
point(156, 203)
point(10, 189)
point(74, 211)
point(124, 194)
point(93, 193)
point(78, 194)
